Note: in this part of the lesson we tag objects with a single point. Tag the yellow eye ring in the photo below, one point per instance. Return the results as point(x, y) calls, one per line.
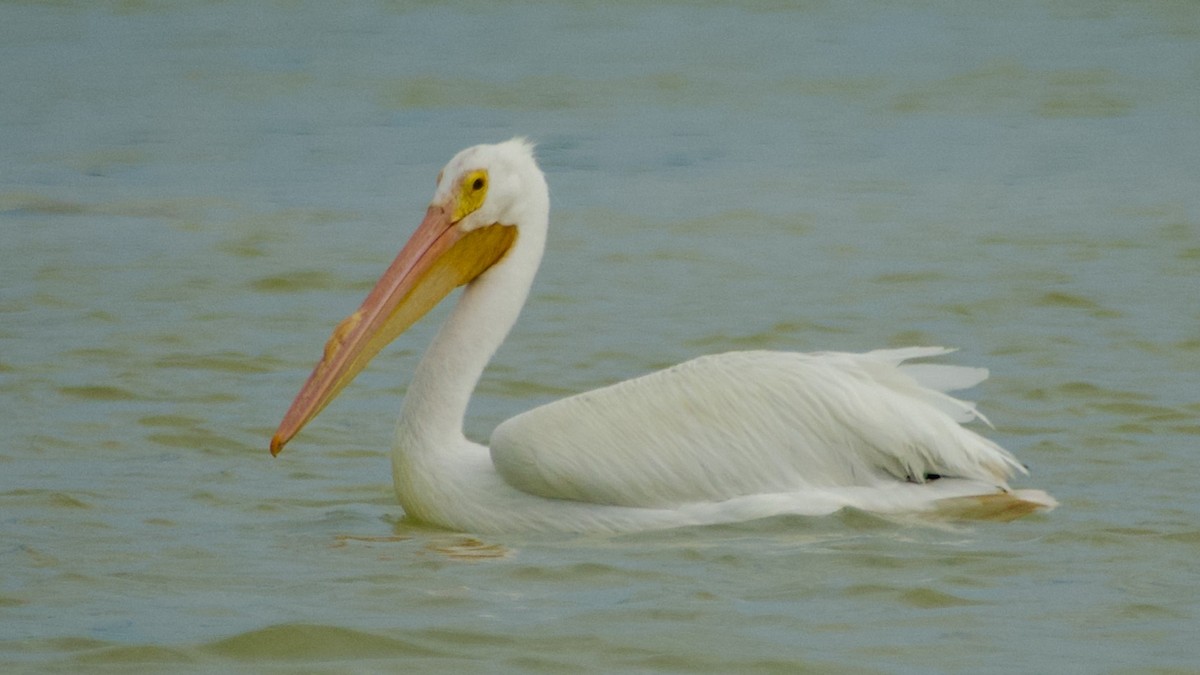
point(472, 193)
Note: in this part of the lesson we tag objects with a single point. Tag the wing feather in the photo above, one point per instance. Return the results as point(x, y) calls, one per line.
point(744, 423)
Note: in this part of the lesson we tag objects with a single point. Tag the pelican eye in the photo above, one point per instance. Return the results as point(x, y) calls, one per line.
point(472, 194)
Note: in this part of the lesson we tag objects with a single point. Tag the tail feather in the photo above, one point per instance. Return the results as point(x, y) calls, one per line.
point(938, 379)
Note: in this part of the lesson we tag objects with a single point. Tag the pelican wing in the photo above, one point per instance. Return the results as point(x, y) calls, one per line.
point(744, 423)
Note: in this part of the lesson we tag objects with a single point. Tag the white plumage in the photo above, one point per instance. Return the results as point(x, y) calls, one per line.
point(720, 438)
point(744, 423)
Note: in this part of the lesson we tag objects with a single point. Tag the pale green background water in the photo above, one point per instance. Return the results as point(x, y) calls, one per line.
point(192, 194)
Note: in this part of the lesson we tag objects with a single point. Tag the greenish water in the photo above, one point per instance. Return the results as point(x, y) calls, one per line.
point(191, 195)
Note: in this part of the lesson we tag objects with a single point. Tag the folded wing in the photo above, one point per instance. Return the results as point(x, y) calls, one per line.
point(744, 423)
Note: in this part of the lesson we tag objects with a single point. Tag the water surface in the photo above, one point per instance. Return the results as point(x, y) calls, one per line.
point(193, 194)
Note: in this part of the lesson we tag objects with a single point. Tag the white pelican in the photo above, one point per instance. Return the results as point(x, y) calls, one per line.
point(718, 439)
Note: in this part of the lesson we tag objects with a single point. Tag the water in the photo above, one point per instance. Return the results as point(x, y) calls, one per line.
point(193, 194)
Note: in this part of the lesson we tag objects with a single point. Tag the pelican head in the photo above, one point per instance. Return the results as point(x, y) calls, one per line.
point(491, 205)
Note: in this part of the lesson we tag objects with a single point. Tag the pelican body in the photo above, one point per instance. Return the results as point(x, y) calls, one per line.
point(722, 438)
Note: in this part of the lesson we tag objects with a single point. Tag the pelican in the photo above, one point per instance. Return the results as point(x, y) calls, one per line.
point(719, 439)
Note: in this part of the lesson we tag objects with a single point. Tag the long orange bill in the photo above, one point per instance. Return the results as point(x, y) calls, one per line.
point(438, 258)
